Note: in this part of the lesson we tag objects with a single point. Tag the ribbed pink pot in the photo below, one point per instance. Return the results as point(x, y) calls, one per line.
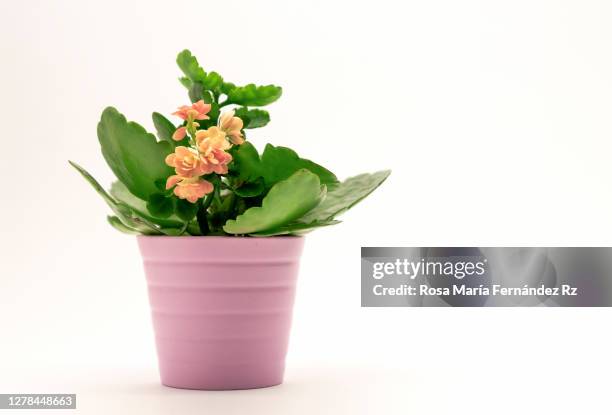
point(221, 308)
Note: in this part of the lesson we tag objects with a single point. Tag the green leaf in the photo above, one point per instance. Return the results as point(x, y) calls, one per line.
point(213, 114)
point(276, 164)
point(123, 212)
point(193, 71)
point(186, 210)
point(119, 209)
point(253, 118)
point(254, 96)
point(194, 228)
point(285, 202)
point(213, 81)
point(159, 183)
point(134, 155)
point(250, 189)
point(226, 87)
point(186, 82)
point(296, 228)
point(174, 231)
point(164, 127)
point(346, 195)
point(159, 205)
point(246, 164)
point(122, 194)
point(197, 92)
point(190, 67)
point(116, 223)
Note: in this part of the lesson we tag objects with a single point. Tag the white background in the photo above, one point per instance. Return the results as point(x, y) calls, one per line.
point(493, 115)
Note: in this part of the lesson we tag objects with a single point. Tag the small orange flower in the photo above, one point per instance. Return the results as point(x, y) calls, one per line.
point(179, 134)
point(196, 111)
point(173, 181)
point(190, 188)
point(186, 162)
point(212, 144)
point(232, 126)
point(217, 161)
point(212, 139)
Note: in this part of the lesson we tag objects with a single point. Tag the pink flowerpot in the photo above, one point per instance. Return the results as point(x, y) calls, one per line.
point(221, 308)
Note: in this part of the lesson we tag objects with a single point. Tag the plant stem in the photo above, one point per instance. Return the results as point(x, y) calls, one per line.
point(202, 218)
point(202, 214)
point(207, 201)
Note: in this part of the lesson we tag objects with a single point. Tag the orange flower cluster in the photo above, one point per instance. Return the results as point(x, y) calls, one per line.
point(207, 153)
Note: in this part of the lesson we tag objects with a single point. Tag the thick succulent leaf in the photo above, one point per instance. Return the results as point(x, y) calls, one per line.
point(253, 118)
point(160, 205)
point(296, 228)
point(185, 209)
point(213, 81)
point(226, 87)
point(195, 73)
point(196, 92)
point(285, 202)
point(193, 228)
point(164, 127)
point(346, 195)
point(119, 209)
point(134, 155)
point(127, 216)
point(246, 164)
point(213, 114)
point(116, 223)
point(186, 82)
point(122, 194)
point(190, 66)
point(251, 189)
point(276, 164)
point(174, 231)
point(254, 96)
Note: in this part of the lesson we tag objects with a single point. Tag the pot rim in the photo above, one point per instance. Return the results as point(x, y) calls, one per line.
point(192, 237)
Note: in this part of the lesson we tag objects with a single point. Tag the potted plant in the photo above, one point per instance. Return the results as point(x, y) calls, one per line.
point(219, 227)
